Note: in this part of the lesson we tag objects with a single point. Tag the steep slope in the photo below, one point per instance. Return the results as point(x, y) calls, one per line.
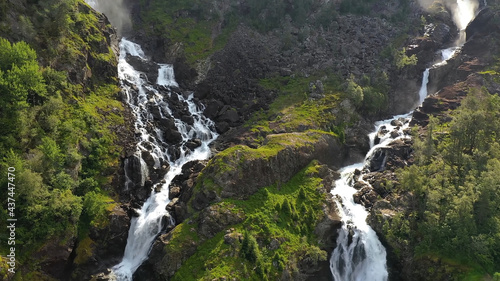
point(437, 217)
point(63, 132)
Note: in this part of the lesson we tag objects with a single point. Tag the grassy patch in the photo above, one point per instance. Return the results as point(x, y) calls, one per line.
point(282, 216)
point(293, 110)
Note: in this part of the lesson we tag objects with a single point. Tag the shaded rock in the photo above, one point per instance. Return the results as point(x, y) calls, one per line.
point(194, 143)
point(246, 175)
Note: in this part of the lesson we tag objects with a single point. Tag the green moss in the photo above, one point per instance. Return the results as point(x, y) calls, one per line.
point(84, 250)
point(291, 231)
point(293, 110)
point(183, 236)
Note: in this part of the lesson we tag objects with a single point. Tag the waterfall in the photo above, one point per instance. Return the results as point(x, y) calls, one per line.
point(144, 98)
point(423, 89)
point(359, 255)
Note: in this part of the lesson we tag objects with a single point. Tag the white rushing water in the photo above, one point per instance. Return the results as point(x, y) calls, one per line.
point(142, 98)
point(359, 255)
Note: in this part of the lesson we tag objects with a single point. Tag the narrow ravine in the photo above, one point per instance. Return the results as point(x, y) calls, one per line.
point(359, 254)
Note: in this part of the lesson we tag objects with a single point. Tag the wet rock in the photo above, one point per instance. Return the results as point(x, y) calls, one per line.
point(132, 166)
point(376, 162)
point(394, 134)
point(365, 196)
point(167, 124)
point(170, 205)
point(174, 192)
point(172, 136)
point(397, 123)
point(194, 143)
point(148, 158)
point(187, 119)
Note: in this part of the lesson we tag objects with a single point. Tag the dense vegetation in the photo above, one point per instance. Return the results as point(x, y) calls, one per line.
point(456, 188)
point(56, 127)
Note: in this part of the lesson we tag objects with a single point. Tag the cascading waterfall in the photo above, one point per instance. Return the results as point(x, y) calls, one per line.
point(143, 98)
point(359, 255)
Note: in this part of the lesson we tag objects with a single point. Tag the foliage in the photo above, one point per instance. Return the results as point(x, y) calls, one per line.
point(401, 59)
point(370, 96)
point(57, 132)
point(251, 257)
point(456, 184)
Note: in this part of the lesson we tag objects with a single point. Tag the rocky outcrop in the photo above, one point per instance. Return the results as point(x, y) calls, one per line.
point(240, 171)
point(165, 258)
point(103, 248)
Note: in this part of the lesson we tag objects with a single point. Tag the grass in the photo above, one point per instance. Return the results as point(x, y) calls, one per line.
point(293, 110)
point(281, 215)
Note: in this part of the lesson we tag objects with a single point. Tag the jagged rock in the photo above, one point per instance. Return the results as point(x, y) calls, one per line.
point(365, 196)
point(194, 143)
point(233, 236)
point(248, 175)
point(106, 248)
point(174, 192)
point(216, 218)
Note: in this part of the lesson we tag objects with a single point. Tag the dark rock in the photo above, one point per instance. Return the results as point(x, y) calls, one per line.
point(394, 134)
point(180, 212)
point(174, 153)
point(212, 109)
point(148, 158)
point(230, 116)
point(187, 119)
point(167, 124)
point(376, 161)
point(192, 144)
point(172, 136)
point(222, 127)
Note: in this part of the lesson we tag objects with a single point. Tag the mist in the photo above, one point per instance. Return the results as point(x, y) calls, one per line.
point(116, 11)
point(463, 11)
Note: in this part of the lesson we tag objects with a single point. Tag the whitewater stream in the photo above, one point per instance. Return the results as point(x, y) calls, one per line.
point(145, 98)
point(359, 255)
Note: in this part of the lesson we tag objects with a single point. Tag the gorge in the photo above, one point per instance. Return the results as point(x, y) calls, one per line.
point(238, 140)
